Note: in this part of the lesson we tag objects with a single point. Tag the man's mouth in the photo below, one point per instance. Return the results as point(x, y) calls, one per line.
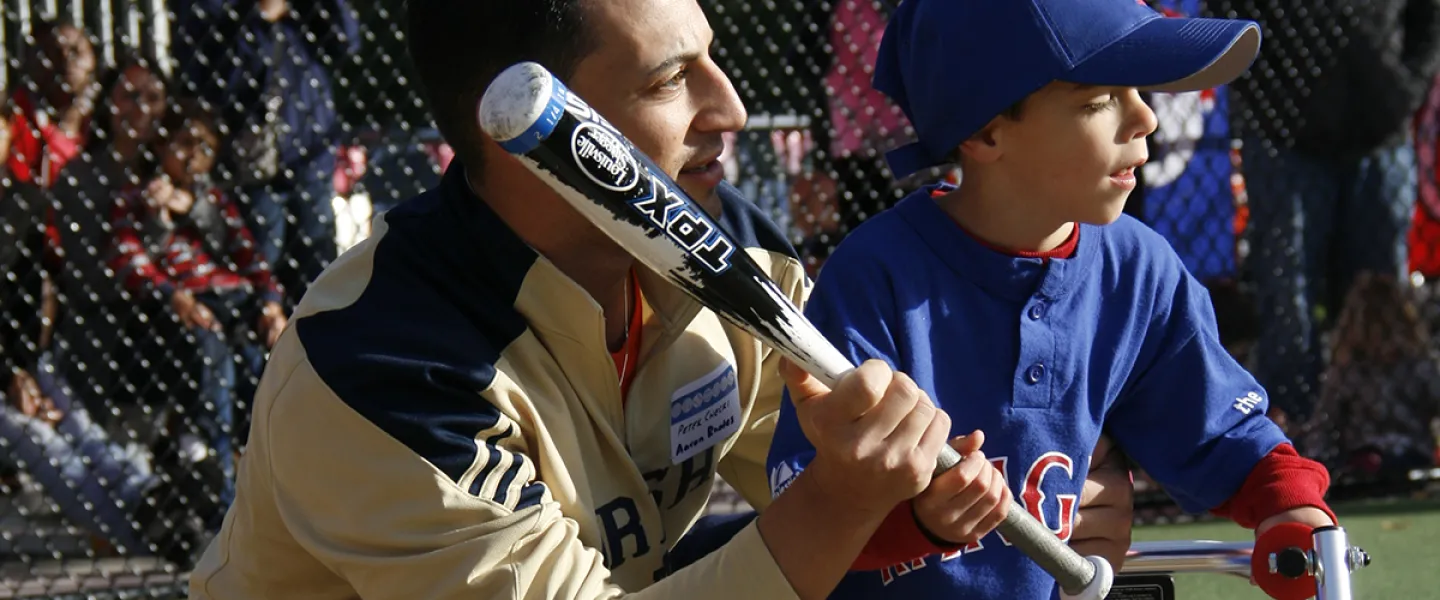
point(702, 166)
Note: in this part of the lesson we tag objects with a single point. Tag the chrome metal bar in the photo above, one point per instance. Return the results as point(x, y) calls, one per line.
point(1190, 556)
point(1332, 564)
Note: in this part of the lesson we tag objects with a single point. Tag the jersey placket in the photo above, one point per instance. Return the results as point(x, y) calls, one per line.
point(1037, 367)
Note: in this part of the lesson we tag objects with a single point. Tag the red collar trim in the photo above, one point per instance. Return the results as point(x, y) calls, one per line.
point(1065, 250)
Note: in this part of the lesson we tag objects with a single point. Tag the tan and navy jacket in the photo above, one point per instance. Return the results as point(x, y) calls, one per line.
point(442, 420)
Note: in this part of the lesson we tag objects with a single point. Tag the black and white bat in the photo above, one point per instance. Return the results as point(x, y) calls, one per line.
point(590, 163)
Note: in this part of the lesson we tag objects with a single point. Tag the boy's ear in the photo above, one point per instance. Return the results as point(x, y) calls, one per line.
point(984, 146)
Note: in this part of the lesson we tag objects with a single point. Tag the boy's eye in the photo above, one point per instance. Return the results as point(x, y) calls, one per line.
point(1108, 102)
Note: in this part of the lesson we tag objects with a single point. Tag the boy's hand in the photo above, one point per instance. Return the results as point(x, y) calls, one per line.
point(1308, 515)
point(159, 191)
point(163, 194)
point(968, 501)
point(272, 323)
point(876, 435)
point(1104, 521)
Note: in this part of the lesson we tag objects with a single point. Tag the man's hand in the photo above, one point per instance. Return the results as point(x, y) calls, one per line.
point(967, 502)
point(1105, 521)
point(876, 438)
point(272, 323)
point(876, 435)
point(29, 400)
point(25, 393)
point(191, 312)
point(274, 10)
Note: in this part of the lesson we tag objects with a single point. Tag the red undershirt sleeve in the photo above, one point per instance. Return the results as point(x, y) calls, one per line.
point(1281, 481)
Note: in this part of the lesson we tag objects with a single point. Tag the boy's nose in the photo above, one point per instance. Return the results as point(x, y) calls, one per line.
point(1143, 117)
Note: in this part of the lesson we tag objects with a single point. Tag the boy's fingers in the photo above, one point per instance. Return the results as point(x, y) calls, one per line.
point(968, 444)
point(998, 506)
point(951, 484)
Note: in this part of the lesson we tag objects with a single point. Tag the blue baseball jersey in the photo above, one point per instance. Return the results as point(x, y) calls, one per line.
point(1042, 355)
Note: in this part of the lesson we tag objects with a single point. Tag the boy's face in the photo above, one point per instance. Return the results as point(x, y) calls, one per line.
point(190, 153)
point(1074, 150)
point(651, 76)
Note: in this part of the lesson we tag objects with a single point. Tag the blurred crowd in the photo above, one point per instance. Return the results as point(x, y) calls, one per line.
point(158, 224)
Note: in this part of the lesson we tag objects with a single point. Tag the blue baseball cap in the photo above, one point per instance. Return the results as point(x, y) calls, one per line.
point(954, 65)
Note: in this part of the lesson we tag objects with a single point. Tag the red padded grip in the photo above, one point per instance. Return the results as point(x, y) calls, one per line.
point(1280, 537)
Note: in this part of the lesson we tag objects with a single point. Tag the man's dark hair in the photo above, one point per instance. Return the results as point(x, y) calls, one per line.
point(459, 46)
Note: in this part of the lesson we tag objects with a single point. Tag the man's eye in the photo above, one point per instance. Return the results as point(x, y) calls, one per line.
point(676, 80)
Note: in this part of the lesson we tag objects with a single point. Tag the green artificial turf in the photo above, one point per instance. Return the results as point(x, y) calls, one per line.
point(1402, 538)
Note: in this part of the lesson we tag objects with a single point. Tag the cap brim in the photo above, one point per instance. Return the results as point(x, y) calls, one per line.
point(1174, 55)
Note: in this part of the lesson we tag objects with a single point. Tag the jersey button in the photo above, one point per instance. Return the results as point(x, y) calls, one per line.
point(1035, 372)
point(1037, 311)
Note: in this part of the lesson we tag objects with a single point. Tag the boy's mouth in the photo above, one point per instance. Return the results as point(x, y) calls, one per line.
point(1129, 171)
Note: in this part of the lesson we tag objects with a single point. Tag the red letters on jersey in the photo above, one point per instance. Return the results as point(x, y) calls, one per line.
point(1033, 499)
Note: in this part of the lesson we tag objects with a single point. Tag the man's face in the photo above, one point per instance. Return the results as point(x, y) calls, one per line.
point(1075, 149)
point(652, 77)
point(68, 65)
point(137, 103)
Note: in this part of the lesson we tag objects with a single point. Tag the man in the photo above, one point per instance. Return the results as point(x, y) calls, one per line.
point(477, 400)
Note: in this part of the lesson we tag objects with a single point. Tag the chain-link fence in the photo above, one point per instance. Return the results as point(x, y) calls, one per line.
point(176, 171)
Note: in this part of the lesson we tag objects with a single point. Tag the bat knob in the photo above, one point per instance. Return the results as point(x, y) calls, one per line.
point(522, 106)
point(1099, 587)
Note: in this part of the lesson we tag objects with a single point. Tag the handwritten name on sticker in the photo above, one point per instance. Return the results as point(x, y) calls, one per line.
point(703, 413)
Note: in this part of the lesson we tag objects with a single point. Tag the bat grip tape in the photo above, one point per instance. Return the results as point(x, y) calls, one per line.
point(1075, 574)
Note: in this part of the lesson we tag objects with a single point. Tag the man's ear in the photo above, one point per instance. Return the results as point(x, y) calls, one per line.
point(985, 146)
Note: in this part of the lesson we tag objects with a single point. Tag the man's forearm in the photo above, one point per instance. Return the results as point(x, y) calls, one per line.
point(815, 538)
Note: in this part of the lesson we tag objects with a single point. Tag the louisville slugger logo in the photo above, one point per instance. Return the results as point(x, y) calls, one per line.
point(682, 222)
point(603, 158)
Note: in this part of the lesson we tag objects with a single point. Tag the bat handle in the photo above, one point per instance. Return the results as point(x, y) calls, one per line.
point(1080, 578)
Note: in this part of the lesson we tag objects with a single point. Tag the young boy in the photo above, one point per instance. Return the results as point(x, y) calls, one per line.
point(1026, 305)
point(180, 238)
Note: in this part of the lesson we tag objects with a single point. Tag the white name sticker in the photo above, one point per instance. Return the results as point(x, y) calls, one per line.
point(703, 413)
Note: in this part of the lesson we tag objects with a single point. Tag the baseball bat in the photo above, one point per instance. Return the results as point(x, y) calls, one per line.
point(595, 168)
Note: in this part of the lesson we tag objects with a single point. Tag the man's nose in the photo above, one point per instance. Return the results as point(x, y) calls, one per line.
point(720, 109)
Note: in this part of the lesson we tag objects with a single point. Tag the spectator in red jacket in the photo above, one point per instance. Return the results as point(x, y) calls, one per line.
point(181, 238)
point(54, 118)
